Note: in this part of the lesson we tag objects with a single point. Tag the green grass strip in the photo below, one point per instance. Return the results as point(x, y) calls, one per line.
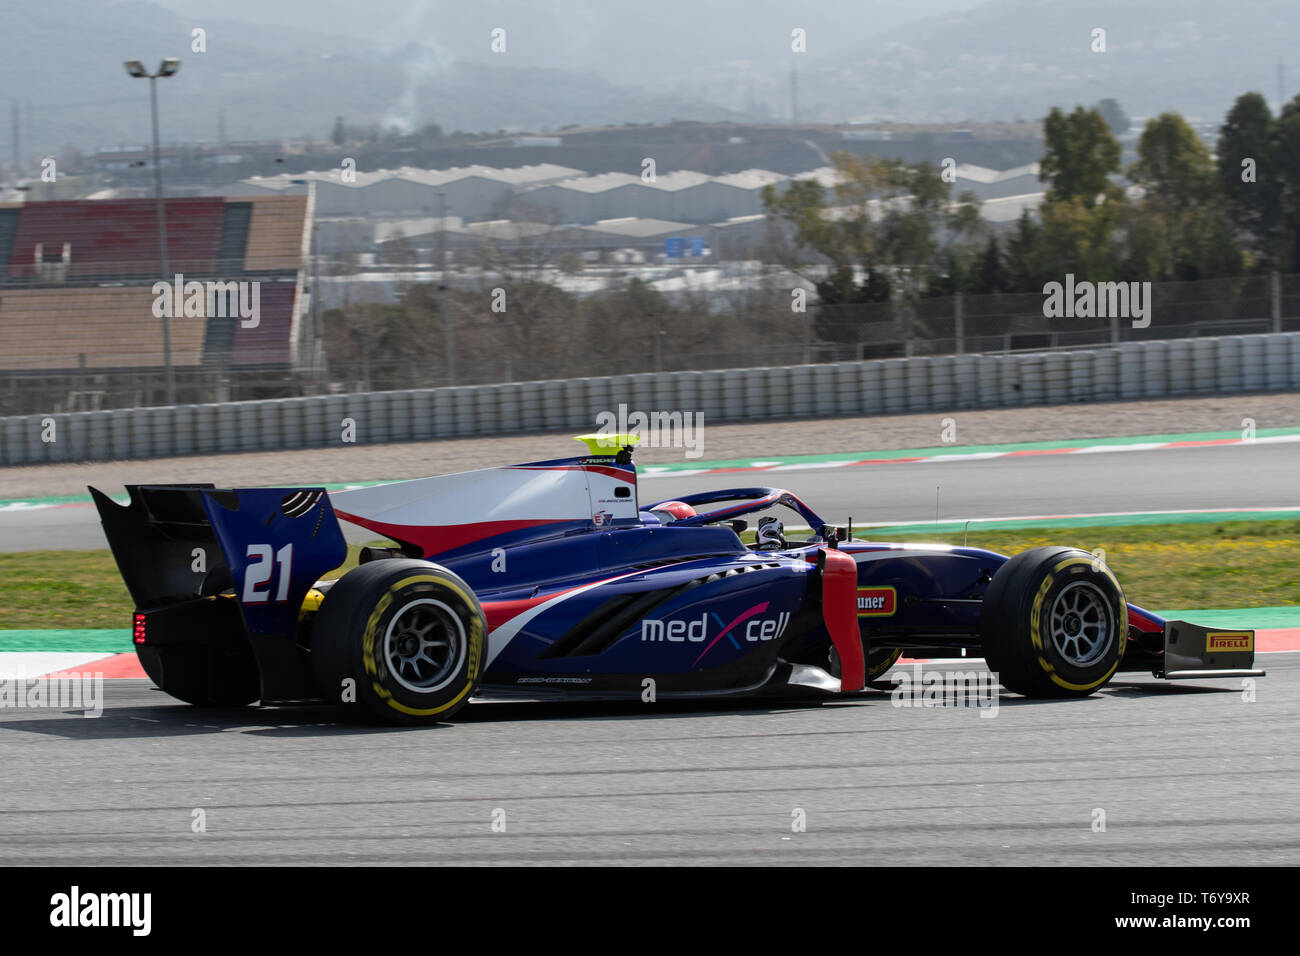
point(88, 640)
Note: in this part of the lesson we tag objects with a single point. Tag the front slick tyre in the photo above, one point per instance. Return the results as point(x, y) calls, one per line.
point(399, 640)
point(1054, 623)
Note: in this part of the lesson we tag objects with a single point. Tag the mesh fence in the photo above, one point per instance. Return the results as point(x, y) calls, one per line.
point(86, 323)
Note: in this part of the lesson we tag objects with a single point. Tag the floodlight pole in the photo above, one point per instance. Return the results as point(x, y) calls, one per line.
point(444, 298)
point(160, 206)
point(135, 68)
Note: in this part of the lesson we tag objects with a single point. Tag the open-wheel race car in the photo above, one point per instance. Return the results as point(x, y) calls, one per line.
point(553, 579)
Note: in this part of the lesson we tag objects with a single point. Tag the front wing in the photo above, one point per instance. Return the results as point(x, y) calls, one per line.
point(1194, 652)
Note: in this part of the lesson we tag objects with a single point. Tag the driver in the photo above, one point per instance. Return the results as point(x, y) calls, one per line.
point(771, 534)
point(671, 511)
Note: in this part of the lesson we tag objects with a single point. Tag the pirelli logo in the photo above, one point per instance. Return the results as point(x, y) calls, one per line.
point(877, 602)
point(1230, 641)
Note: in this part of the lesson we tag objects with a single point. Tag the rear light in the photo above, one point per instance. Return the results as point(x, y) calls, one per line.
point(138, 631)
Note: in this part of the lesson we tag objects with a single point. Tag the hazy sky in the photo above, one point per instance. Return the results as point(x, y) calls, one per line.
point(629, 41)
point(287, 68)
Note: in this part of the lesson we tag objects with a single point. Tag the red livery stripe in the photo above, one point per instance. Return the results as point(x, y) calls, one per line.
point(434, 539)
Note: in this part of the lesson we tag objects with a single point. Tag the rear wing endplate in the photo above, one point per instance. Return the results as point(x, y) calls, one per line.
point(180, 542)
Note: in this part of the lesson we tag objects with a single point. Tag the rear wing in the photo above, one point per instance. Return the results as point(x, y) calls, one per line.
point(176, 543)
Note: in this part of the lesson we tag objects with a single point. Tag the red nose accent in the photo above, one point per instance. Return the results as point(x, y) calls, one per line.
point(840, 612)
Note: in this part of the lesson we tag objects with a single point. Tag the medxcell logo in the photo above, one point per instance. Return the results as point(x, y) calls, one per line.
point(877, 602)
point(755, 629)
point(679, 631)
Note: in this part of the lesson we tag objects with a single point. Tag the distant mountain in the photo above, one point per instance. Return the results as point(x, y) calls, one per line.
point(288, 68)
point(1017, 58)
point(630, 43)
point(64, 60)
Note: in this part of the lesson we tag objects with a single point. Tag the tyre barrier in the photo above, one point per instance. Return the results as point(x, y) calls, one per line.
point(1131, 371)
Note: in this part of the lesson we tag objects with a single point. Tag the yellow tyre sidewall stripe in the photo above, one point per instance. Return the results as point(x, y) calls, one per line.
point(377, 670)
point(890, 661)
point(1036, 617)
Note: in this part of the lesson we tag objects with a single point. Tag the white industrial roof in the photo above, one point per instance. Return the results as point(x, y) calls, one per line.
point(667, 182)
point(388, 229)
point(508, 229)
point(639, 228)
point(600, 183)
point(1009, 208)
point(564, 177)
point(751, 178)
point(517, 176)
point(828, 176)
point(982, 174)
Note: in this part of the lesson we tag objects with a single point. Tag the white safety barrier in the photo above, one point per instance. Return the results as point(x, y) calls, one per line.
point(1132, 371)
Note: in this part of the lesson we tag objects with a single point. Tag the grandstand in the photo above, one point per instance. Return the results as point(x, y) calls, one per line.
point(79, 314)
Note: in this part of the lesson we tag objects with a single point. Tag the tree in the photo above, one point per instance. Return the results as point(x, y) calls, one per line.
point(1173, 164)
point(883, 215)
point(1082, 208)
point(1081, 154)
point(1181, 229)
point(1078, 237)
point(883, 234)
point(1164, 240)
point(1025, 270)
point(1114, 116)
point(803, 206)
point(990, 275)
point(1288, 162)
point(1248, 173)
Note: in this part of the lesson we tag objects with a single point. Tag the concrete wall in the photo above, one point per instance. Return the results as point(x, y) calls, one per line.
point(1131, 371)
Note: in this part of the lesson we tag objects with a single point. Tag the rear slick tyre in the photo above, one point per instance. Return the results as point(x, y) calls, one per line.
point(399, 640)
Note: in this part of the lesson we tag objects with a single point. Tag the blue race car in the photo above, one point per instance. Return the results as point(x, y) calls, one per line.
point(552, 579)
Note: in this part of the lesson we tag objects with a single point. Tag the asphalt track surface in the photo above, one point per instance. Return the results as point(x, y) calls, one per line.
point(1209, 477)
point(1186, 774)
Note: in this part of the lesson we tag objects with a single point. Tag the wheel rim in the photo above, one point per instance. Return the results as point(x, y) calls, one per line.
point(1082, 624)
point(424, 645)
point(881, 659)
